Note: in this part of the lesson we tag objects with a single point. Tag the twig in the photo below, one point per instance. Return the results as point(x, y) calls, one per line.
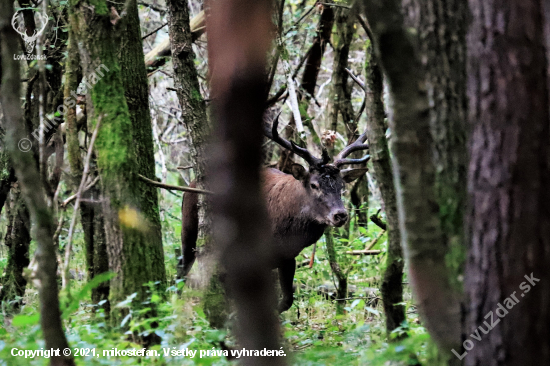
point(366, 27)
point(185, 167)
point(375, 240)
point(73, 197)
point(300, 20)
point(294, 106)
point(356, 79)
point(172, 187)
point(312, 255)
point(364, 252)
point(77, 204)
point(335, 5)
point(154, 31)
point(378, 222)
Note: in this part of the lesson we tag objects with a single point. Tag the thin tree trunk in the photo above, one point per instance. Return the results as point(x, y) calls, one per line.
point(508, 178)
point(193, 107)
point(341, 276)
point(237, 65)
point(32, 189)
point(340, 93)
point(309, 80)
point(414, 173)
point(392, 284)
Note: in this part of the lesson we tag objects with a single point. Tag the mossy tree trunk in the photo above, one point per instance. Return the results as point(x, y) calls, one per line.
point(133, 255)
point(17, 239)
point(136, 91)
point(414, 171)
point(91, 215)
point(392, 283)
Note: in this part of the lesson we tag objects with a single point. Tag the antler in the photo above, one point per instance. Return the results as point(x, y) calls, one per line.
point(15, 24)
point(289, 145)
point(340, 160)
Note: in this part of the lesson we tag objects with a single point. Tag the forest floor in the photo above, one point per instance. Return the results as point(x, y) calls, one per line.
point(313, 334)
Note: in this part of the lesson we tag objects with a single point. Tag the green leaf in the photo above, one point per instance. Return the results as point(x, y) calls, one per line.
point(20, 320)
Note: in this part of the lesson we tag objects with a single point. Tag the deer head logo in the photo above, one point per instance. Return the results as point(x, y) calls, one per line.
point(19, 26)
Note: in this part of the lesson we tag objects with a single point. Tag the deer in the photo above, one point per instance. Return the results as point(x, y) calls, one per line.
point(300, 207)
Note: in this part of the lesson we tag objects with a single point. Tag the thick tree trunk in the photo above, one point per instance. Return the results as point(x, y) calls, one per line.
point(508, 178)
point(237, 65)
point(443, 43)
point(17, 240)
point(32, 190)
point(91, 215)
point(128, 222)
point(414, 172)
point(136, 91)
point(392, 284)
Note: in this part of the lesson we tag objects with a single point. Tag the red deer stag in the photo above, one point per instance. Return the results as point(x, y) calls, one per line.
point(300, 206)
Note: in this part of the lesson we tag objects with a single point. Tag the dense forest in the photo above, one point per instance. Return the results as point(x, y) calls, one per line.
point(284, 182)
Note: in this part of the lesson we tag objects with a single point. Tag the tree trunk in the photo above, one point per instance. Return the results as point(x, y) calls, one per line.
point(443, 46)
point(91, 215)
point(242, 231)
point(392, 284)
point(32, 190)
point(17, 240)
point(341, 276)
point(129, 223)
point(414, 172)
point(309, 80)
point(193, 107)
point(508, 180)
point(340, 94)
point(136, 91)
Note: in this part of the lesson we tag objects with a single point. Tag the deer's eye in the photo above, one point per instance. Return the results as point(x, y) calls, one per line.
point(314, 186)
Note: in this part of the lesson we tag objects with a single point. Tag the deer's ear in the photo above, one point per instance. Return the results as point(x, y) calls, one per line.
point(299, 172)
point(349, 175)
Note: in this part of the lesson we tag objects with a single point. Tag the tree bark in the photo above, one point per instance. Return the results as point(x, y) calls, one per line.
point(392, 284)
point(309, 80)
point(91, 215)
point(17, 240)
point(237, 65)
point(340, 94)
point(508, 180)
point(442, 31)
point(32, 190)
point(341, 276)
point(193, 107)
point(129, 222)
point(414, 173)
